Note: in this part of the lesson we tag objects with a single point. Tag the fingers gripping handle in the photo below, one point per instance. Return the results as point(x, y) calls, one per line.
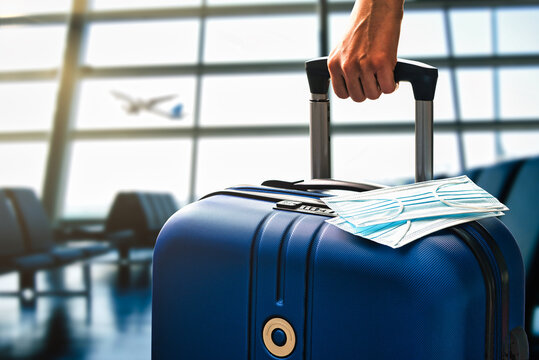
point(423, 79)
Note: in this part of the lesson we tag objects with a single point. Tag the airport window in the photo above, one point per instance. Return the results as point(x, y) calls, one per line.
point(337, 27)
point(517, 30)
point(466, 42)
point(23, 164)
point(514, 82)
point(15, 98)
point(395, 107)
point(18, 7)
point(102, 168)
point(446, 153)
point(252, 160)
point(237, 65)
point(268, 38)
point(138, 43)
point(250, 2)
point(141, 4)
point(480, 148)
point(266, 99)
point(422, 34)
point(391, 154)
point(444, 110)
point(519, 144)
point(476, 97)
point(38, 47)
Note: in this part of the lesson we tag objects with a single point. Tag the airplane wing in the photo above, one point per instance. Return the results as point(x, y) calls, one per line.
point(156, 100)
point(122, 96)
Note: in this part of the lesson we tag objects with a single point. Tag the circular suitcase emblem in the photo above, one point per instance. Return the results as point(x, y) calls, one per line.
point(279, 337)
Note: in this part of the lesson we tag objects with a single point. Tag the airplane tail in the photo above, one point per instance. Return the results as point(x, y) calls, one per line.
point(177, 111)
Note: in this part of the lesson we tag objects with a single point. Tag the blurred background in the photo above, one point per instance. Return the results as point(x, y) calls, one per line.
point(183, 97)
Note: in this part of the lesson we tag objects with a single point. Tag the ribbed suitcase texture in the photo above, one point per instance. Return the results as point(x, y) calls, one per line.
point(227, 265)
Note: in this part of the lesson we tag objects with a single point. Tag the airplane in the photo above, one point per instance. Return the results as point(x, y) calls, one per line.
point(134, 106)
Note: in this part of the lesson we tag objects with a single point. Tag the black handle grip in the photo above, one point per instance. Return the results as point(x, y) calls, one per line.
point(322, 184)
point(423, 77)
point(318, 75)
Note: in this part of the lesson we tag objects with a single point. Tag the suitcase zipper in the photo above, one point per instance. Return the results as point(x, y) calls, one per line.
point(495, 273)
point(288, 202)
point(501, 271)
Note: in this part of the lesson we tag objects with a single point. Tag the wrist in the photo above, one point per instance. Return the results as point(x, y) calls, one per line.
point(392, 8)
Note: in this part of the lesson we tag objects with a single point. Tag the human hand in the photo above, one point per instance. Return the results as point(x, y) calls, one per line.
point(362, 65)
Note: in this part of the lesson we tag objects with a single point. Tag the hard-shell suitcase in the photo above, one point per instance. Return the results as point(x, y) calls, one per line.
point(256, 272)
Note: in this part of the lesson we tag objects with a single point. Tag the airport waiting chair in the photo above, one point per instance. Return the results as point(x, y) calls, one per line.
point(138, 215)
point(498, 179)
point(144, 213)
point(515, 184)
point(16, 256)
point(522, 199)
point(12, 252)
point(472, 173)
point(171, 205)
point(523, 221)
point(38, 232)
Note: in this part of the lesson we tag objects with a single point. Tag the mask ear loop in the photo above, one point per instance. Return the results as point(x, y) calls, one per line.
point(382, 219)
point(452, 204)
point(409, 225)
point(401, 204)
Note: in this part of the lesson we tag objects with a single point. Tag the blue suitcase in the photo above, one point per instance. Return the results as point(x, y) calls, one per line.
point(256, 273)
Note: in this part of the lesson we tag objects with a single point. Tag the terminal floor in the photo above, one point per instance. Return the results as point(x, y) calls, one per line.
point(114, 322)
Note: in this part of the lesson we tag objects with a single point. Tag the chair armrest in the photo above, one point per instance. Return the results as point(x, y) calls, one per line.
point(95, 232)
point(120, 236)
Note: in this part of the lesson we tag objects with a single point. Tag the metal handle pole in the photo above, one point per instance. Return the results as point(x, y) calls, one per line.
point(423, 140)
point(423, 79)
point(320, 137)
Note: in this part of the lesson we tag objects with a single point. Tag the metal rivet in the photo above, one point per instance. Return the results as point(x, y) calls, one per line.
point(283, 325)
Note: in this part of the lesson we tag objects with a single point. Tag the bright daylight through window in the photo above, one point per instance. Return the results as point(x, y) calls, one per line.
point(169, 87)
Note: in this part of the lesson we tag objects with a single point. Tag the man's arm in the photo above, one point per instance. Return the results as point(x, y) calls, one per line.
point(362, 65)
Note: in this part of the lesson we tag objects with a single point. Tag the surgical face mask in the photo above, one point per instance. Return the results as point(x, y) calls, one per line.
point(398, 234)
point(431, 199)
point(399, 215)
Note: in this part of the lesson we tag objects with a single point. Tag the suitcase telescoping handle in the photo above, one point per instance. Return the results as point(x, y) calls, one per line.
point(423, 79)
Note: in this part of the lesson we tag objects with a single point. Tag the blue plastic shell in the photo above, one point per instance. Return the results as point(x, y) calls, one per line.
point(225, 265)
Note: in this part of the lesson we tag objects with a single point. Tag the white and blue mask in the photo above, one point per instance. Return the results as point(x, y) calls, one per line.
point(398, 215)
point(454, 196)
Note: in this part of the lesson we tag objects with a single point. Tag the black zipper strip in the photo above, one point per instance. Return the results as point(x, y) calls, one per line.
point(505, 290)
point(272, 197)
point(493, 308)
point(490, 288)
